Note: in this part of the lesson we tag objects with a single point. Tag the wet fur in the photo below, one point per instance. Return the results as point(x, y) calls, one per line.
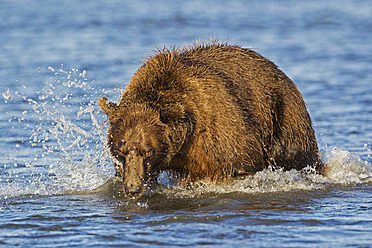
point(216, 111)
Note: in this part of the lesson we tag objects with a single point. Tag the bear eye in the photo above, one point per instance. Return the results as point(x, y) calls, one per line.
point(149, 153)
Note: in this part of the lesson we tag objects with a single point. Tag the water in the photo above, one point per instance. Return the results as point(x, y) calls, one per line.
point(56, 179)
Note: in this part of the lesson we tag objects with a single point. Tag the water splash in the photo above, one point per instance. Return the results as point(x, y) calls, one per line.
point(343, 168)
point(346, 168)
point(63, 143)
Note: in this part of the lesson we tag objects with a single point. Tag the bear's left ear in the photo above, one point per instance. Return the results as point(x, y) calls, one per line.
point(172, 113)
point(108, 107)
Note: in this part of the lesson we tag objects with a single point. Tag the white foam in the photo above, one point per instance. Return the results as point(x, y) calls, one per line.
point(343, 168)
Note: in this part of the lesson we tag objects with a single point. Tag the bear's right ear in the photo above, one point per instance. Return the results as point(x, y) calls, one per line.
point(108, 107)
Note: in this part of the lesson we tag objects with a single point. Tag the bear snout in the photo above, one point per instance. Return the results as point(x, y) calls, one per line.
point(134, 176)
point(134, 187)
point(132, 191)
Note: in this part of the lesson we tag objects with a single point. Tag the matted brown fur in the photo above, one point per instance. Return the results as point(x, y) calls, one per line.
point(208, 111)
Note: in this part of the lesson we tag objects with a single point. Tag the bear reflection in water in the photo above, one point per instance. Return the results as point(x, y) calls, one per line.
point(208, 111)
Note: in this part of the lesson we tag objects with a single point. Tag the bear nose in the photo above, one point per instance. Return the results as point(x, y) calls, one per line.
point(133, 191)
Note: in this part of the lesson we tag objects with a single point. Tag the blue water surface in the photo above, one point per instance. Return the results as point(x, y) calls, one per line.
point(57, 58)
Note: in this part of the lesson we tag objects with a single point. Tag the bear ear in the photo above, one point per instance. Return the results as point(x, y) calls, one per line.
point(108, 107)
point(172, 113)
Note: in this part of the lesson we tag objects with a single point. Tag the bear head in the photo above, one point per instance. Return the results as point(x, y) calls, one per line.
point(143, 140)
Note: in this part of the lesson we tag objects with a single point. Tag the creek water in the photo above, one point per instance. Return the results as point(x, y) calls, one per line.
point(57, 184)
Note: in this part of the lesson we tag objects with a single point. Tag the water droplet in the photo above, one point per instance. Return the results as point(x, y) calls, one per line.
point(7, 95)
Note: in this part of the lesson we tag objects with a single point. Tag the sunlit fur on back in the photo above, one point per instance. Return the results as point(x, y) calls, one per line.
point(210, 111)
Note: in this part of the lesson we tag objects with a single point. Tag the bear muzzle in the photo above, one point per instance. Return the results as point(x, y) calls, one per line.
point(134, 191)
point(134, 178)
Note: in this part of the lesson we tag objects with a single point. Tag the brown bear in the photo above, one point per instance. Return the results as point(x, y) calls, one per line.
point(209, 110)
